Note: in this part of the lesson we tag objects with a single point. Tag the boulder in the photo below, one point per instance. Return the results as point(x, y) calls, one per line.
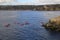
point(55, 20)
point(53, 24)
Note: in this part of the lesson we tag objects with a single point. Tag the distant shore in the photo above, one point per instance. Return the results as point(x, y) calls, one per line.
point(32, 7)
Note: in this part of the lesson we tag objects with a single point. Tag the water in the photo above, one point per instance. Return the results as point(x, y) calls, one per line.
point(30, 31)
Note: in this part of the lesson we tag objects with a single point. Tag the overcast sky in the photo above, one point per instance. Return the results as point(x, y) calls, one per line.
point(28, 2)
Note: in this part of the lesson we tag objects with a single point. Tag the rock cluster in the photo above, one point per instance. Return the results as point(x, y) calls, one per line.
point(53, 24)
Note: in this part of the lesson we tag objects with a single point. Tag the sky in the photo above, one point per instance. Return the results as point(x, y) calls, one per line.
point(28, 2)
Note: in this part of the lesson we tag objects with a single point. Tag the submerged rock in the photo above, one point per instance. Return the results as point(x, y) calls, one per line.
point(53, 24)
point(7, 25)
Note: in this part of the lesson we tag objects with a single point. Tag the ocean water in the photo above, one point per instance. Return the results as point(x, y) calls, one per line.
point(26, 25)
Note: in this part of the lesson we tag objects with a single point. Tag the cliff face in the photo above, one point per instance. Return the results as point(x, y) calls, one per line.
point(31, 7)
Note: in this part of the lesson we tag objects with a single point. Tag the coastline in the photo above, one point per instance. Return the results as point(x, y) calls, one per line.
point(31, 7)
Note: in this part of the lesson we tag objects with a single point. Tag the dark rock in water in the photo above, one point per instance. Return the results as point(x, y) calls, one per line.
point(27, 23)
point(21, 24)
point(53, 24)
point(7, 25)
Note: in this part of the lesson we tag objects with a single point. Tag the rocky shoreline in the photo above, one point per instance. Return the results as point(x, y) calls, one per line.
point(53, 24)
point(53, 7)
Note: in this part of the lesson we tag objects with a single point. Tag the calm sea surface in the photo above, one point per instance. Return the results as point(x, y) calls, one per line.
point(26, 25)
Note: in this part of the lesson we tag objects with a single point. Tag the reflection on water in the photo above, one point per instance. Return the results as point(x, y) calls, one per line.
point(26, 25)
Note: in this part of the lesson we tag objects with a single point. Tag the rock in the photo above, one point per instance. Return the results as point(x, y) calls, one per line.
point(21, 24)
point(53, 24)
point(7, 25)
point(27, 23)
point(55, 20)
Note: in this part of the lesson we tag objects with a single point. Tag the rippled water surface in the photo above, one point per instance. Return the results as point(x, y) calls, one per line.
point(26, 25)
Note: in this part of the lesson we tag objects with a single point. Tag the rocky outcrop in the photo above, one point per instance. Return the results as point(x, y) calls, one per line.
point(53, 24)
